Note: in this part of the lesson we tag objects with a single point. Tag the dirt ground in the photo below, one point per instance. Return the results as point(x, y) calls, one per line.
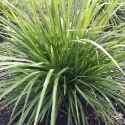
point(62, 117)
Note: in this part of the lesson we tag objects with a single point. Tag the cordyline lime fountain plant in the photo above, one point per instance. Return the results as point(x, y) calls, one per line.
point(62, 53)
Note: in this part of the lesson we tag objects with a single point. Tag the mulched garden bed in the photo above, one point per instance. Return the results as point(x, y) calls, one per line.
point(62, 117)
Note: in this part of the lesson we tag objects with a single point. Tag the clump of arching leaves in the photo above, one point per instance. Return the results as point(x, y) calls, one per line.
point(63, 52)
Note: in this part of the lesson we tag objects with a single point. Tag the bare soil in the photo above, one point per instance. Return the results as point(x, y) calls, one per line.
point(62, 117)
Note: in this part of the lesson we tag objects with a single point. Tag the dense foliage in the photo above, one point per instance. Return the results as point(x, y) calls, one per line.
point(63, 53)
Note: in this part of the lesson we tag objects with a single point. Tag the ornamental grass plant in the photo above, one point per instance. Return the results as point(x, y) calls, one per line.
point(61, 53)
point(118, 15)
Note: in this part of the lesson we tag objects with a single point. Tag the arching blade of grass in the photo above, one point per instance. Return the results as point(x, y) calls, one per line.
point(54, 98)
point(100, 47)
point(47, 80)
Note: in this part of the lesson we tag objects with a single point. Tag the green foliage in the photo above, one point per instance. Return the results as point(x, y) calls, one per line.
point(60, 53)
point(118, 15)
point(1, 7)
